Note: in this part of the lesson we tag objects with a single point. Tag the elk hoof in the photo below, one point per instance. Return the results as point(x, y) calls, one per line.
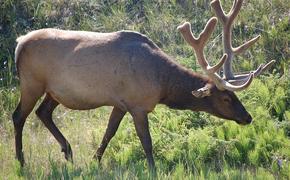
point(20, 158)
point(67, 153)
point(98, 157)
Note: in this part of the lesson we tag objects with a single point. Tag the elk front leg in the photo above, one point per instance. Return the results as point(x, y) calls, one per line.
point(142, 128)
point(114, 122)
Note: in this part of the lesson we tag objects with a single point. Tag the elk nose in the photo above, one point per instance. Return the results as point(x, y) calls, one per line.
point(249, 119)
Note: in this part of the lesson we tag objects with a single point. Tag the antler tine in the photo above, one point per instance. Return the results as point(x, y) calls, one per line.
point(242, 48)
point(226, 18)
point(233, 6)
point(235, 10)
point(240, 86)
point(207, 31)
point(200, 41)
point(227, 21)
point(216, 5)
point(185, 30)
point(219, 64)
point(198, 45)
point(241, 78)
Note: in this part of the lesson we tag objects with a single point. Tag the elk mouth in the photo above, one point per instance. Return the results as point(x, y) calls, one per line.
point(241, 121)
point(245, 121)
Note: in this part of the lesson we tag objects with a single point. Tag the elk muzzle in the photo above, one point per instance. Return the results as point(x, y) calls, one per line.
point(247, 120)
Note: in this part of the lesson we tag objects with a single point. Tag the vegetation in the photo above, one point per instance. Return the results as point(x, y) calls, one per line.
point(187, 145)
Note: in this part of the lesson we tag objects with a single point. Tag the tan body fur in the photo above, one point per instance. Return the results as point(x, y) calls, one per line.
point(85, 70)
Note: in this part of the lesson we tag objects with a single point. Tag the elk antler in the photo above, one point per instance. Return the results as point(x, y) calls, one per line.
point(227, 21)
point(198, 45)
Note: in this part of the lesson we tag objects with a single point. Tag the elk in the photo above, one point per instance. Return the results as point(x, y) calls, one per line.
point(85, 70)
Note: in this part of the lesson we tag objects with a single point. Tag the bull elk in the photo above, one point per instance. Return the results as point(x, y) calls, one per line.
point(126, 70)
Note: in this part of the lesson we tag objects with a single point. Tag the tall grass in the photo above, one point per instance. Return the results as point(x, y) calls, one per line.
point(186, 145)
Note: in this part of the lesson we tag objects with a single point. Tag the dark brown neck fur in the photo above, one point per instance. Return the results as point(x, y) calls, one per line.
point(180, 83)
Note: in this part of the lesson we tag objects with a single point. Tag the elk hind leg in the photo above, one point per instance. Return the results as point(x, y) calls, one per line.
point(28, 99)
point(44, 112)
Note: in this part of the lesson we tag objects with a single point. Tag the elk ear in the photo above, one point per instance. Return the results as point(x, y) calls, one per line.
point(202, 92)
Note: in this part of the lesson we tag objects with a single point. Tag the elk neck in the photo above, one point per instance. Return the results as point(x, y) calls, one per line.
point(178, 88)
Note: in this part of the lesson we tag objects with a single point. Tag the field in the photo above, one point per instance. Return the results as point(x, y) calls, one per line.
point(186, 145)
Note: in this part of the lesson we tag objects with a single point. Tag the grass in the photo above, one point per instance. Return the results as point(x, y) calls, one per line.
point(186, 145)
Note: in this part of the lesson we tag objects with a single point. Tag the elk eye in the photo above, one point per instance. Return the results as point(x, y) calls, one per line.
point(227, 99)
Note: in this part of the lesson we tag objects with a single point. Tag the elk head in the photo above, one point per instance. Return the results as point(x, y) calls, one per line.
point(220, 94)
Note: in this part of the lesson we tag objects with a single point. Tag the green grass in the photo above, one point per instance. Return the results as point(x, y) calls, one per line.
point(186, 145)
